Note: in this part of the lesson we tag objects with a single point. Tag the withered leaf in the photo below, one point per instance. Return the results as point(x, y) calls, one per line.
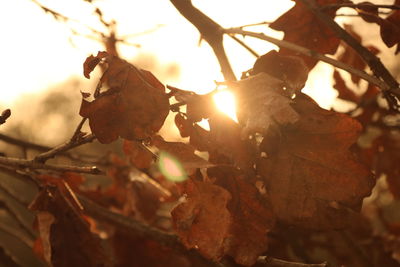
point(312, 179)
point(198, 107)
point(64, 233)
point(138, 155)
point(133, 251)
point(389, 27)
point(382, 157)
point(134, 107)
point(289, 69)
point(262, 103)
point(91, 62)
point(303, 28)
point(227, 145)
point(203, 220)
point(252, 216)
point(183, 152)
point(351, 57)
point(344, 92)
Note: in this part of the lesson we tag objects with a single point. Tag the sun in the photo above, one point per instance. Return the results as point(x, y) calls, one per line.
point(225, 102)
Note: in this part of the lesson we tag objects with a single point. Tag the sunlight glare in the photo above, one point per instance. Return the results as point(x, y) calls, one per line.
point(225, 101)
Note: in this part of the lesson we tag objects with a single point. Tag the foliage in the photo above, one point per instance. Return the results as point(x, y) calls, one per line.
point(286, 181)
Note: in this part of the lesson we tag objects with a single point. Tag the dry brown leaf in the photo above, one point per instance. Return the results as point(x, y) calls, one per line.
point(312, 179)
point(252, 216)
point(64, 233)
point(304, 28)
point(203, 220)
point(183, 152)
point(138, 155)
point(134, 107)
point(290, 69)
point(262, 104)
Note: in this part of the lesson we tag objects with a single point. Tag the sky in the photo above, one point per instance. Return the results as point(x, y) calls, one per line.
point(38, 51)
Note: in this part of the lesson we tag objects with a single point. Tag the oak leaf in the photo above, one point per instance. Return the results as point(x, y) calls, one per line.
point(64, 233)
point(134, 107)
point(351, 57)
point(227, 145)
point(304, 28)
point(252, 216)
point(389, 26)
point(203, 220)
point(313, 180)
point(138, 155)
point(345, 92)
point(262, 103)
point(289, 69)
point(183, 152)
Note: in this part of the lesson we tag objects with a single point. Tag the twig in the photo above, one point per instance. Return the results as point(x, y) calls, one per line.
point(255, 24)
point(358, 15)
point(248, 48)
point(41, 158)
point(210, 31)
point(271, 262)
point(77, 132)
point(58, 15)
point(313, 54)
point(360, 6)
point(5, 115)
point(21, 143)
point(29, 145)
point(30, 164)
point(392, 94)
point(133, 227)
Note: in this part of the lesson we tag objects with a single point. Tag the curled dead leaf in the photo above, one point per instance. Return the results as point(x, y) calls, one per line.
point(134, 107)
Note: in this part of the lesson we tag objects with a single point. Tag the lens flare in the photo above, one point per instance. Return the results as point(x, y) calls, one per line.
point(171, 167)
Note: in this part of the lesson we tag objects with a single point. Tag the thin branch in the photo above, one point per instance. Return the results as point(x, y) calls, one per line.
point(255, 24)
point(360, 6)
point(41, 158)
point(210, 31)
point(358, 15)
point(133, 227)
point(271, 262)
point(77, 132)
point(58, 15)
point(248, 48)
point(30, 164)
point(28, 145)
point(21, 143)
point(393, 93)
point(313, 54)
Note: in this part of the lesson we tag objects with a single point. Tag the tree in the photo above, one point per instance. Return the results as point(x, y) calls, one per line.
point(283, 185)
